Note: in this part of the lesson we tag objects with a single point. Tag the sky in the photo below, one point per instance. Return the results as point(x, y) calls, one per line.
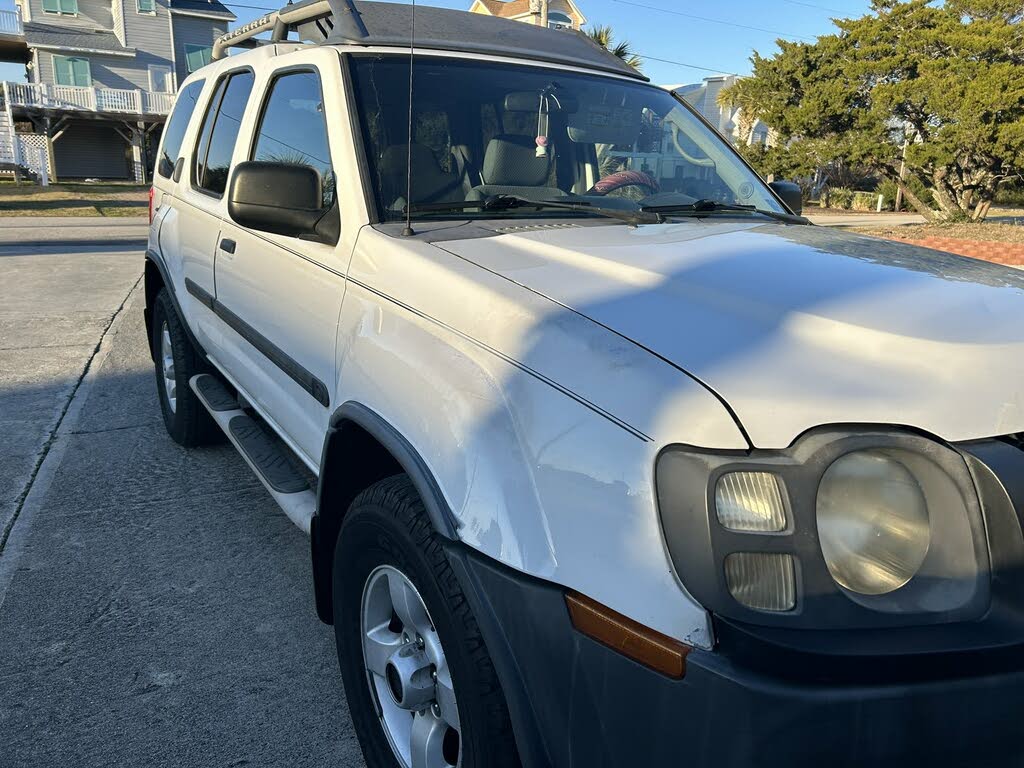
point(700, 38)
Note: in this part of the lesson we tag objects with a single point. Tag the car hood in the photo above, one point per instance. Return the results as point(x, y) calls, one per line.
point(794, 326)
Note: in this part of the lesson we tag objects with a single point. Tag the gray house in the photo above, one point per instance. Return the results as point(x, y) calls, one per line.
point(101, 77)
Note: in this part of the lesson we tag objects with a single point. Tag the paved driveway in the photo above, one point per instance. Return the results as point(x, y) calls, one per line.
point(155, 607)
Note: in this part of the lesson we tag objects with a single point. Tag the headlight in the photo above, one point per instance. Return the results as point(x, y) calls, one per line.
point(872, 522)
point(841, 530)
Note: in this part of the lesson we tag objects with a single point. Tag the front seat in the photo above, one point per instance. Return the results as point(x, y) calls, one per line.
point(511, 167)
point(430, 182)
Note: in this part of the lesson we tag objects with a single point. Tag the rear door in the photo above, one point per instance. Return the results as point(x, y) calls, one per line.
point(282, 295)
point(201, 198)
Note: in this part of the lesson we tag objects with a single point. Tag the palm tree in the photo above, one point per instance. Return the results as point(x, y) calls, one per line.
point(603, 36)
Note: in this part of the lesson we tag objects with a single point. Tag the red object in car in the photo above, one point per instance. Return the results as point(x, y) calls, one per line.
point(151, 192)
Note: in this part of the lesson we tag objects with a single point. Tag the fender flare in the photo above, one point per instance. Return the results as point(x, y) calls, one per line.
point(152, 257)
point(326, 522)
point(407, 456)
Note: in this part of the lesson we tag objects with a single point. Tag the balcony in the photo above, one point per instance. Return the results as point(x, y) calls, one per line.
point(12, 38)
point(69, 98)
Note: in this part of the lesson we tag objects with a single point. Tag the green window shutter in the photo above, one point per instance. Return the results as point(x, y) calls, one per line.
point(53, 6)
point(147, 6)
point(68, 6)
point(197, 56)
point(80, 72)
point(62, 70)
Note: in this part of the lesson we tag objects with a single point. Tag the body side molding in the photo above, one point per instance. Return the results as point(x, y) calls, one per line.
point(300, 375)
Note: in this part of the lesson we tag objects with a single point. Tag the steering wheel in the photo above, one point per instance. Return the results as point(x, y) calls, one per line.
point(622, 179)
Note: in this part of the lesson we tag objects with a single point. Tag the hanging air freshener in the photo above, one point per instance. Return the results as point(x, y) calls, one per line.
point(542, 128)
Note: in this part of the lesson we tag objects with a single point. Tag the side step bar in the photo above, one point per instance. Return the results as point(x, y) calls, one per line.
point(260, 450)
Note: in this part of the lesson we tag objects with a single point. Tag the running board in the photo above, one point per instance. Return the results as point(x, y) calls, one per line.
point(261, 451)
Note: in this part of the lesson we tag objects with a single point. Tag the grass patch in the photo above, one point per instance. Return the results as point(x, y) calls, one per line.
point(107, 199)
point(988, 232)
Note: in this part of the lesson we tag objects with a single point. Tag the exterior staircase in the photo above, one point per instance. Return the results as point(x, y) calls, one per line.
point(11, 162)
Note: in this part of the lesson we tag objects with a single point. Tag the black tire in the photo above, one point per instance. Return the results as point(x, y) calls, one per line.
point(388, 525)
point(188, 423)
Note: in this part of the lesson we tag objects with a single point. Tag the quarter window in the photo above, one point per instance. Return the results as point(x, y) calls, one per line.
point(198, 56)
point(177, 124)
point(69, 70)
point(293, 128)
point(220, 130)
point(66, 7)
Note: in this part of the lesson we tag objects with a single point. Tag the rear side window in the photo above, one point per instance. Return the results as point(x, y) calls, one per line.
point(293, 128)
point(219, 132)
point(177, 124)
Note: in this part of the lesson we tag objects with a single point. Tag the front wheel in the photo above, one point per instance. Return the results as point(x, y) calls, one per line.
point(421, 688)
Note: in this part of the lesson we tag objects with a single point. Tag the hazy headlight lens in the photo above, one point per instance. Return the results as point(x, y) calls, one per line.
point(762, 580)
point(872, 522)
point(750, 501)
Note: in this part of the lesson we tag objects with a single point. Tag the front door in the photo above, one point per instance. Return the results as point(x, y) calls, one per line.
point(284, 294)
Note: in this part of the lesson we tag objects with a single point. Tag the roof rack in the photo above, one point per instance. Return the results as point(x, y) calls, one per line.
point(389, 24)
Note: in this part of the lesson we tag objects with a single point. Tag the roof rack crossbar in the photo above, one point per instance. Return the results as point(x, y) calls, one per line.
point(281, 22)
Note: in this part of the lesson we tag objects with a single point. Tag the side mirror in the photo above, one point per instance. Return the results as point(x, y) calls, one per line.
point(281, 198)
point(791, 195)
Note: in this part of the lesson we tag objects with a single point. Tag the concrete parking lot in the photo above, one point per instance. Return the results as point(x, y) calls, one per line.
point(155, 607)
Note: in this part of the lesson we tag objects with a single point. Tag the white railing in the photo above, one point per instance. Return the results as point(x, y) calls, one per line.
point(10, 23)
point(72, 97)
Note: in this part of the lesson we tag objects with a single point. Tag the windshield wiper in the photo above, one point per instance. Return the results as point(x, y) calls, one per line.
point(709, 206)
point(508, 202)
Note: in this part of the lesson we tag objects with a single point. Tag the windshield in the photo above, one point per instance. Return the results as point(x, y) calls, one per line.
point(483, 130)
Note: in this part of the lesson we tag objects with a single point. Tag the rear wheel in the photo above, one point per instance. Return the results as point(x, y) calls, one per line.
point(421, 688)
point(187, 420)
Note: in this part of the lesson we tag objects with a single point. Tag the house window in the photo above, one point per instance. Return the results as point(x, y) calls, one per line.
point(557, 20)
point(66, 7)
point(146, 6)
point(198, 56)
point(69, 70)
point(160, 79)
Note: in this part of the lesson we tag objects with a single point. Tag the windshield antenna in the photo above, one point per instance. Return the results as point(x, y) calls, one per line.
point(408, 231)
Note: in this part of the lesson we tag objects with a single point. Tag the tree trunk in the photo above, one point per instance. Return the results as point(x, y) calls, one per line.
point(914, 200)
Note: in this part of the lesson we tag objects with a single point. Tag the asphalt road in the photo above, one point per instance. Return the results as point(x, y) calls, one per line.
point(155, 606)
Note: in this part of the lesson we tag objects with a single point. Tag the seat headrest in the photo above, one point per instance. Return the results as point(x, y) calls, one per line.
point(428, 178)
point(512, 161)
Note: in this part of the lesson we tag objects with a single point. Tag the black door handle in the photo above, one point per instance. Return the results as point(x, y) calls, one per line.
point(228, 246)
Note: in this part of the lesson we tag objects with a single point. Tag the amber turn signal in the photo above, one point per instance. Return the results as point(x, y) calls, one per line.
point(630, 638)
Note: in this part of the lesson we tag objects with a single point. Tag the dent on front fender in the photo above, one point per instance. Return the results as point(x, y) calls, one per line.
point(537, 476)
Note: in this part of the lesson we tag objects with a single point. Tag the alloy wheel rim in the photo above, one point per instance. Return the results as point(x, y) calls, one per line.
point(407, 672)
point(167, 366)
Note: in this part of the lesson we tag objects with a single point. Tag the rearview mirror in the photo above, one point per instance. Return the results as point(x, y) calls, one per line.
point(791, 195)
point(282, 198)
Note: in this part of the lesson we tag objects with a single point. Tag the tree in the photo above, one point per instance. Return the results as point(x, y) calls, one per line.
point(945, 82)
point(603, 36)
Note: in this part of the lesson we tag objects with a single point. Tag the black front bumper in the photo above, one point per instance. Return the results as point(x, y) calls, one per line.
point(756, 700)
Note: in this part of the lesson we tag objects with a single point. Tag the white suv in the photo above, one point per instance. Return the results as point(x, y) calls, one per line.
point(607, 456)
